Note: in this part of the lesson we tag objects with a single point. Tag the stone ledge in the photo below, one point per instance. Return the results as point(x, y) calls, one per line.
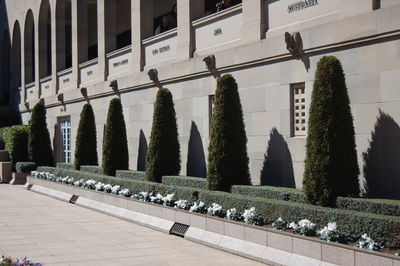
point(257, 243)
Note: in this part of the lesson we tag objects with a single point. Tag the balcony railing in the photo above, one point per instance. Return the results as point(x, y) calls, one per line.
point(30, 91)
point(218, 29)
point(45, 85)
point(119, 61)
point(65, 79)
point(88, 71)
point(161, 47)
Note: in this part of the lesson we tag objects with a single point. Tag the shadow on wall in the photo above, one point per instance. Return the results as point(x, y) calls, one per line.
point(196, 163)
point(382, 160)
point(142, 152)
point(278, 166)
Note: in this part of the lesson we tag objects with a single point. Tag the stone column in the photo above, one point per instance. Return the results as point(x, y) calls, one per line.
point(75, 15)
point(101, 40)
point(253, 27)
point(187, 10)
point(53, 48)
point(136, 35)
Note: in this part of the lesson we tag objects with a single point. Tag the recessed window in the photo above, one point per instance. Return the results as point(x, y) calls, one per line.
point(65, 126)
point(298, 106)
point(376, 4)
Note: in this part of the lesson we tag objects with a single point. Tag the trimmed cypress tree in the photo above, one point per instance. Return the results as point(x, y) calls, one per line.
point(228, 163)
point(163, 157)
point(39, 145)
point(115, 144)
point(331, 167)
point(86, 141)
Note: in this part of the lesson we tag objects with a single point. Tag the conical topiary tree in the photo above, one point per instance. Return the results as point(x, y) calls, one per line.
point(163, 156)
point(331, 167)
point(227, 151)
point(39, 145)
point(115, 144)
point(86, 141)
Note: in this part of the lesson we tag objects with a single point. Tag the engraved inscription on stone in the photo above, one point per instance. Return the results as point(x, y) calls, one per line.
point(120, 63)
point(46, 87)
point(161, 50)
point(89, 73)
point(301, 5)
point(217, 32)
point(66, 80)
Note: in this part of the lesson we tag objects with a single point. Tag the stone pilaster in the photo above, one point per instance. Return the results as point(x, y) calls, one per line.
point(253, 27)
point(101, 39)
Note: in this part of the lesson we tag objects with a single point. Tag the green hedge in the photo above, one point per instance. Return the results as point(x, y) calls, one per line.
point(279, 193)
point(352, 223)
point(69, 166)
point(137, 175)
point(16, 143)
point(92, 169)
point(378, 206)
point(25, 167)
point(185, 181)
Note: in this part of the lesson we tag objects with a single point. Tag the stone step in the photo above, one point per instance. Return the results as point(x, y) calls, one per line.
point(4, 157)
point(5, 172)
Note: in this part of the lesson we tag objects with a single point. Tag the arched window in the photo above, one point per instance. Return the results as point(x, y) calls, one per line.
point(16, 63)
point(45, 39)
point(64, 34)
point(5, 69)
point(29, 48)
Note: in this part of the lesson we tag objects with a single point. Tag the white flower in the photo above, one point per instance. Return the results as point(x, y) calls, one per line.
point(182, 204)
point(197, 207)
point(233, 214)
point(99, 186)
point(107, 188)
point(251, 217)
point(90, 184)
point(167, 200)
point(293, 225)
point(125, 192)
point(215, 210)
point(115, 189)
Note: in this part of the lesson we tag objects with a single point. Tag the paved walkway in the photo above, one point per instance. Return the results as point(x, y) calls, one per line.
point(57, 233)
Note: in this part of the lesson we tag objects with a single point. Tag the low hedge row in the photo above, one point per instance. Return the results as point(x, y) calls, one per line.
point(137, 175)
point(378, 206)
point(25, 167)
point(279, 193)
point(134, 185)
point(352, 223)
point(185, 181)
point(69, 166)
point(92, 169)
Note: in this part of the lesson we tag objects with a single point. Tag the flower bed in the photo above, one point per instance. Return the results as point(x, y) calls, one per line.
point(251, 210)
point(8, 261)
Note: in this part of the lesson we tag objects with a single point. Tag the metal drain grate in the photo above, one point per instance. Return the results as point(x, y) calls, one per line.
point(29, 186)
point(179, 229)
point(73, 199)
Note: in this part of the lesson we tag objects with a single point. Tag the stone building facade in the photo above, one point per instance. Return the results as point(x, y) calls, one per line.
point(69, 52)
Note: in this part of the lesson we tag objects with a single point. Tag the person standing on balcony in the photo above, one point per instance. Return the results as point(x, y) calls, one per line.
point(224, 4)
point(173, 17)
point(163, 27)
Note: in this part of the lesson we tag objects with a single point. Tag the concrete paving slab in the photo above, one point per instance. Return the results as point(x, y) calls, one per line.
point(58, 233)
